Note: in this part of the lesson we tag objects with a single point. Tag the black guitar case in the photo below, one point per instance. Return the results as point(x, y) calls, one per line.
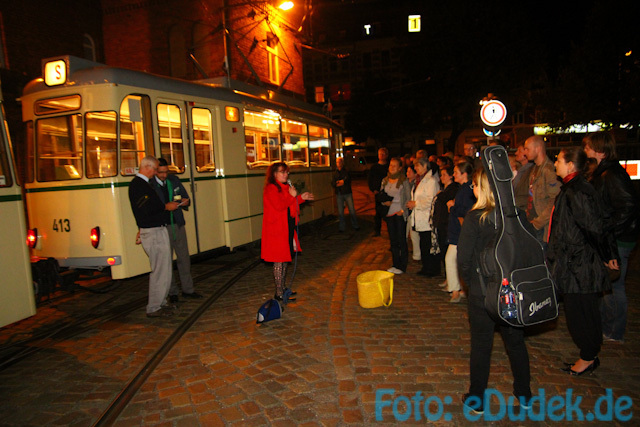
point(514, 254)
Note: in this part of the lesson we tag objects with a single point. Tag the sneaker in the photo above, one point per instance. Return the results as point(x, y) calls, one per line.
point(610, 339)
point(524, 402)
point(173, 298)
point(395, 270)
point(473, 404)
point(443, 284)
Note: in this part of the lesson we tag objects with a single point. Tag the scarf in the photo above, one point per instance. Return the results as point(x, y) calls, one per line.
point(399, 176)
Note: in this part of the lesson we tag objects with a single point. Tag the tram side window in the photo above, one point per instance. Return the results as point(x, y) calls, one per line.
point(100, 145)
point(295, 143)
point(203, 140)
point(171, 144)
point(59, 148)
point(5, 173)
point(135, 132)
point(319, 145)
point(262, 138)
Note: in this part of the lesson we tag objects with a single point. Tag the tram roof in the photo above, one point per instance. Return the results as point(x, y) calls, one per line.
point(83, 72)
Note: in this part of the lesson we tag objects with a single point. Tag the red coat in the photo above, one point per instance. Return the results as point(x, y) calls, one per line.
point(275, 226)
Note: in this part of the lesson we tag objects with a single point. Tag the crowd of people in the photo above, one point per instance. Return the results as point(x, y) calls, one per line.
point(583, 210)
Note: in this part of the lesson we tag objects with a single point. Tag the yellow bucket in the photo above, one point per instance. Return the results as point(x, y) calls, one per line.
point(374, 288)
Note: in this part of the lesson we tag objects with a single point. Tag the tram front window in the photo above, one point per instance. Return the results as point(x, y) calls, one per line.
point(59, 148)
point(101, 144)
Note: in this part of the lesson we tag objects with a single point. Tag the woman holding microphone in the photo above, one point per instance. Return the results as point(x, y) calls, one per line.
point(281, 212)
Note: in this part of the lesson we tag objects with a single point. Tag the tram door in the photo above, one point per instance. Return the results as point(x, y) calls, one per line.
point(204, 143)
point(188, 143)
point(16, 288)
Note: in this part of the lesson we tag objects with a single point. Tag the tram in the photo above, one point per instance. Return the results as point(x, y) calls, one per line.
point(88, 126)
point(17, 300)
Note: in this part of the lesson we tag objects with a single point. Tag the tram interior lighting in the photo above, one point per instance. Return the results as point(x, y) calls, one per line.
point(95, 237)
point(32, 237)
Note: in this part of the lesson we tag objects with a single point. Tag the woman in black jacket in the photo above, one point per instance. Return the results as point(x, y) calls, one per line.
point(579, 251)
point(477, 231)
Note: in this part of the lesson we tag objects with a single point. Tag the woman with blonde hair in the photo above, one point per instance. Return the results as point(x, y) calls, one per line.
point(398, 188)
point(477, 231)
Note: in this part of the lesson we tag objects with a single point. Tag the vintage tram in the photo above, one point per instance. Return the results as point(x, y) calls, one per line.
point(89, 125)
point(17, 301)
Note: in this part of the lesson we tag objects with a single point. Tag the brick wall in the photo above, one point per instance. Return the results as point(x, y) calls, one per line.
point(138, 35)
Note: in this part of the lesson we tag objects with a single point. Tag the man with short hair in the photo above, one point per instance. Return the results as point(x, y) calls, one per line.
point(169, 188)
point(524, 163)
point(613, 183)
point(543, 186)
point(152, 217)
point(376, 175)
point(341, 181)
point(469, 149)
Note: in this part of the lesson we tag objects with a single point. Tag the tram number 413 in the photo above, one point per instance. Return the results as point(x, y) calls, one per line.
point(61, 225)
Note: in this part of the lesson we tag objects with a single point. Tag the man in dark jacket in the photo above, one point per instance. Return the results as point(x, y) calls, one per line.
point(616, 189)
point(166, 184)
point(341, 181)
point(376, 175)
point(152, 218)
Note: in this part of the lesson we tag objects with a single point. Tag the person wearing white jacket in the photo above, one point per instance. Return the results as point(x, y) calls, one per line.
point(421, 205)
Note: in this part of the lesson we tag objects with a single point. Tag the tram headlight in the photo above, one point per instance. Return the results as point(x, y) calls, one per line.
point(32, 237)
point(95, 237)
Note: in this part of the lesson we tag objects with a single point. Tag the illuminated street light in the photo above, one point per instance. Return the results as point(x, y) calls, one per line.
point(286, 5)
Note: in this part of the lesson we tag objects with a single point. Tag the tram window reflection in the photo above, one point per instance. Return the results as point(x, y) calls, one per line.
point(295, 143)
point(171, 144)
point(319, 146)
point(59, 148)
point(262, 138)
point(203, 140)
point(100, 145)
point(135, 132)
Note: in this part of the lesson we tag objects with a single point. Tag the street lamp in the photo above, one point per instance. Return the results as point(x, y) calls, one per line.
point(286, 5)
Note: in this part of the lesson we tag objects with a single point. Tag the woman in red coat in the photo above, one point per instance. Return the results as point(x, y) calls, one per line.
point(280, 215)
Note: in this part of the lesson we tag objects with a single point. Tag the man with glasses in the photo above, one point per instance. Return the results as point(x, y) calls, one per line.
point(152, 218)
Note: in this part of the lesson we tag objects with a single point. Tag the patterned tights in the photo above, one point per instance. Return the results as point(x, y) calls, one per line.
point(280, 274)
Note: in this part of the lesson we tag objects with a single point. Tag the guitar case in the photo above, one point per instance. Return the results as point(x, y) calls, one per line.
point(514, 253)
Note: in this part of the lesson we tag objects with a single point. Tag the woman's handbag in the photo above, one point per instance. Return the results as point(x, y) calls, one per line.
point(381, 198)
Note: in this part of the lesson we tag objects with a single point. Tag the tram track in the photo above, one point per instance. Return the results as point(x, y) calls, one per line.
point(110, 415)
point(14, 352)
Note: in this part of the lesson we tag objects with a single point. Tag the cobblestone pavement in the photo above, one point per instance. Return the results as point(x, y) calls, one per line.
point(321, 364)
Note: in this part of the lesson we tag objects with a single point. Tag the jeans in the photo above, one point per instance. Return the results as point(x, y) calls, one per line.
point(482, 329)
point(397, 227)
point(348, 199)
point(614, 304)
